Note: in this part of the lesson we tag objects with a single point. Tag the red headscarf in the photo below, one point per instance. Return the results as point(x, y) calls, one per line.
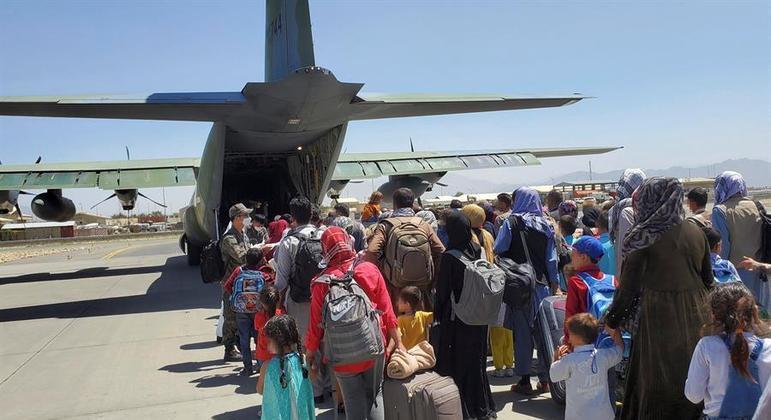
point(276, 228)
point(337, 249)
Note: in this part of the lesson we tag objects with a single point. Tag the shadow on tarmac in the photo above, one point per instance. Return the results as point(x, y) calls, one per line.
point(202, 345)
point(187, 367)
point(246, 385)
point(177, 288)
point(91, 272)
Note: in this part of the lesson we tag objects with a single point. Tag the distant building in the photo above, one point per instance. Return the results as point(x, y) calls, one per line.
point(44, 230)
point(89, 218)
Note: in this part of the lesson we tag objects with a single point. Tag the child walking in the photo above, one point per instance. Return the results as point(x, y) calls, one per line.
point(413, 322)
point(730, 365)
point(269, 299)
point(723, 270)
point(285, 388)
point(585, 369)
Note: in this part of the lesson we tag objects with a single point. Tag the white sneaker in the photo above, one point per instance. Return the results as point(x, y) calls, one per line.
point(499, 373)
point(509, 372)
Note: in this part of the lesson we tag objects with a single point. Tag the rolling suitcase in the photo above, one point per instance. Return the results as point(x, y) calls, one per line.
point(423, 396)
point(549, 321)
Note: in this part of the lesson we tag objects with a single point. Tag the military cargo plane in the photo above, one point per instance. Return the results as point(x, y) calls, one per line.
point(288, 129)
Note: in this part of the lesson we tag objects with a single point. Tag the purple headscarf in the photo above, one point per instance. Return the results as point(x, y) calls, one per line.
point(527, 205)
point(729, 184)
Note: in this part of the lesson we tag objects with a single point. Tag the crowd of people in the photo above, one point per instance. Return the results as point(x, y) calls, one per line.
point(668, 308)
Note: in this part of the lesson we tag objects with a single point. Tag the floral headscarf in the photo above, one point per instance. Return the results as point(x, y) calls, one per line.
point(729, 184)
point(630, 180)
point(568, 208)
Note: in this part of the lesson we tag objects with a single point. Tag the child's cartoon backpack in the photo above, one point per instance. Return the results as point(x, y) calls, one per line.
point(246, 291)
point(599, 294)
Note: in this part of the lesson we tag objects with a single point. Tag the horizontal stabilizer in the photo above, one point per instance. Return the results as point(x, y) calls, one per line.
point(375, 106)
point(202, 106)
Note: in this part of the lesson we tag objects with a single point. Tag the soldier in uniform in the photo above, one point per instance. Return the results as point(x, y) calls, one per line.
point(256, 232)
point(233, 246)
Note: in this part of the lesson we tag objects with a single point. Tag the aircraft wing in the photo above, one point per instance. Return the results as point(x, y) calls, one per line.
point(110, 175)
point(375, 106)
point(374, 165)
point(201, 106)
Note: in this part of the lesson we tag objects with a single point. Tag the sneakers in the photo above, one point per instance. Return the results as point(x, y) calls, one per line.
point(246, 372)
point(509, 372)
point(499, 373)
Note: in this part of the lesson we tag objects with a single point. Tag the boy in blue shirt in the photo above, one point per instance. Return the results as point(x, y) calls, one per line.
point(723, 270)
point(584, 369)
point(607, 263)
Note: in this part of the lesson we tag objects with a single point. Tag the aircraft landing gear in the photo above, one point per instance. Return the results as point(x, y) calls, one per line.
point(193, 253)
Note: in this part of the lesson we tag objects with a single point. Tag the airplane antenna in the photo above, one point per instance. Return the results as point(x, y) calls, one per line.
point(128, 154)
point(412, 147)
point(39, 158)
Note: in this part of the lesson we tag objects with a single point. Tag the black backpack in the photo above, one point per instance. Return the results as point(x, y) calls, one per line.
point(765, 244)
point(520, 281)
point(212, 266)
point(306, 266)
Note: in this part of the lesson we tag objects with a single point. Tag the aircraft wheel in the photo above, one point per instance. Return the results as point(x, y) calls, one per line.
point(193, 254)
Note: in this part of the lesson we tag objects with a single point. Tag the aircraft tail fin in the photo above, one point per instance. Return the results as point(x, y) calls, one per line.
point(288, 38)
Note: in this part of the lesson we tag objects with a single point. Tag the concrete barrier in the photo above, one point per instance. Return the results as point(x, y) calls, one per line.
point(87, 239)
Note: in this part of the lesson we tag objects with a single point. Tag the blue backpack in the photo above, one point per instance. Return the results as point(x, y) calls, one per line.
point(599, 294)
point(246, 291)
point(598, 300)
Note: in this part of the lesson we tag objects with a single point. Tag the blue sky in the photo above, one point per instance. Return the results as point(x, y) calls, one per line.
point(685, 83)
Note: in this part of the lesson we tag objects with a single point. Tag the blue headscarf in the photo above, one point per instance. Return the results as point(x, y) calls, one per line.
point(527, 205)
point(727, 185)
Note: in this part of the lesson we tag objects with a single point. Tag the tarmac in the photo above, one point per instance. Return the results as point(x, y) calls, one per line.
point(127, 330)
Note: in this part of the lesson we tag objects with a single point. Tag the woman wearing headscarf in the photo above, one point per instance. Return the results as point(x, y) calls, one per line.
point(621, 216)
point(666, 277)
point(429, 217)
point(737, 218)
point(527, 219)
point(489, 218)
point(461, 350)
point(501, 339)
point(481, 237)
point(362, 399)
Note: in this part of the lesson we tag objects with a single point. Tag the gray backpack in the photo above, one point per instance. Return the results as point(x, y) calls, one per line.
point(482, 294)
point(351, 324)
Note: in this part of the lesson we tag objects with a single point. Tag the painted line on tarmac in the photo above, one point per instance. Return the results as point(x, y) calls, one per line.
point(116, 252)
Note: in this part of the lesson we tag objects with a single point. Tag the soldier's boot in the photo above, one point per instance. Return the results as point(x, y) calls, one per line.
point(231, 354)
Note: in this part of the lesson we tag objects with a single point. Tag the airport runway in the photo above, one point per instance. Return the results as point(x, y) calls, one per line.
point(126, 330)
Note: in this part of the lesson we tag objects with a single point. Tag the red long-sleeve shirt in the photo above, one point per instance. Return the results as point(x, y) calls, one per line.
point(368, 276)
point(577, 288)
